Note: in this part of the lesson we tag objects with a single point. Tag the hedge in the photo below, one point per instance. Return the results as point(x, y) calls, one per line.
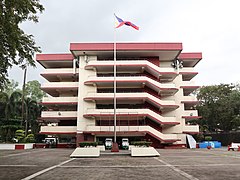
point(141, 143)
point(88, 144)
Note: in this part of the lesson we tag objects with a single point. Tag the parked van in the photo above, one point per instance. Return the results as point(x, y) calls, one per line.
point(108, 143)
point(51, 142)
point(125, 143)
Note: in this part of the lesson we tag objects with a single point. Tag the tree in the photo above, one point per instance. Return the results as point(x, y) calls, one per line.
point(31, 114)
point(10, 106)
point(16, 47)
point(219, 107)
point(11, 86)
point(34, 91)
point(3, 103)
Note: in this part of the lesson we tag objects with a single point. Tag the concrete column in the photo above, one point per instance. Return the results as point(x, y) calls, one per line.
point(83, 90)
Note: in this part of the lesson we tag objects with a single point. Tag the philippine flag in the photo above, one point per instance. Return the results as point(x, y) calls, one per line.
point(122, 22)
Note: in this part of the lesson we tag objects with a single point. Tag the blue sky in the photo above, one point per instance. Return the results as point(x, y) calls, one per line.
point(208, 26)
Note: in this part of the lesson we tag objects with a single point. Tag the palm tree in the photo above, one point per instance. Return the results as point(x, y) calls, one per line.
point(14, 105)
point(3, 103)
point(31, 114)
point(10, 120)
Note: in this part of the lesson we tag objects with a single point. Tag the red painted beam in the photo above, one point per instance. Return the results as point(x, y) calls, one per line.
point(125, 46)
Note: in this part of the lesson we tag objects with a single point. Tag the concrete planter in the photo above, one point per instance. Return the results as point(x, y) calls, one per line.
point(86, 152)
point(101, 147)
point(143, 152)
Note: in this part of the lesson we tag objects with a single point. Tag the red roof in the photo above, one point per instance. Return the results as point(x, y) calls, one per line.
point(124, 46)
point(48, 57)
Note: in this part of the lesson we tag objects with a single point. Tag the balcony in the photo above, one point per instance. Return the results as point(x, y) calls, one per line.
point(131, 114)
point(133, 129)
point(129, 98)
point(190, 115)
point(60, 74)
point(58, 130)
point(191, 129)
point(133, 81)
point(188, 87)
point(165, 74)
point(187, 73)
point(189, 98)
point(56, 88)
point(192, 100)
point(63, 115)
point(60, 100)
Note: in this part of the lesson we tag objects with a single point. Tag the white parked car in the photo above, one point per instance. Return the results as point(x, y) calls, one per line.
point(108, 143)
point(125, 143)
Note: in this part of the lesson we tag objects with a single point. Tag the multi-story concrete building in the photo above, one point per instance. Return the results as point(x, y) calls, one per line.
point(154, 86)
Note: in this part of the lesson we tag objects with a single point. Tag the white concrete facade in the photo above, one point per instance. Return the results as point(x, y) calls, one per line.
point(154, 100)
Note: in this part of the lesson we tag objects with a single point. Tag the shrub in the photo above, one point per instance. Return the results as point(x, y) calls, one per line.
point(100, 143)
point(30, 138)
point(88, 144)
point(208, 138)
point(19, 134)
point(141, 143)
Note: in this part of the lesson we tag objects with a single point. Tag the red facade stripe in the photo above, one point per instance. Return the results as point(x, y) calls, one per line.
point(125, 46)
point(190, 56)
point(50, 57)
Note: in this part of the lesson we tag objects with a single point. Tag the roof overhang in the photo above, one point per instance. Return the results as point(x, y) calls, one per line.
point(55, 60)
point(190, 59)
point(165, 51)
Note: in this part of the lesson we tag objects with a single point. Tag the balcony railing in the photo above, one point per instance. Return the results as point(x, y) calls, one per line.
point(190, 113)
point(145, 129)
point(131, 96)
point(132, 113)
point(191, 128)
point(62, 100)
point(60, 85)
point(58, 129)
point(125, 65)
point(189, 99)
point(59, 71)
point(59, 114)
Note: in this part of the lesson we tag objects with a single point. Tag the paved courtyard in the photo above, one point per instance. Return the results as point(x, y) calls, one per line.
point(172, 164)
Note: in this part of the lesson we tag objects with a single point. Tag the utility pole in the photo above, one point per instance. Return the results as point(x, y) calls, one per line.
point(24, 67)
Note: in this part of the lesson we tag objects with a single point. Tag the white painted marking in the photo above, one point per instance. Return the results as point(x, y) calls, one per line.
point(46, 170)
point(143, 166)
point(186, 175)
point(146, 166)
point(188, 156)
point(18, 154)
point(15, 165)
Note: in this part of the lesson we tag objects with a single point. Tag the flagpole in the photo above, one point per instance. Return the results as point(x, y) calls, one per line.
point(115, 145)
point(115, 87)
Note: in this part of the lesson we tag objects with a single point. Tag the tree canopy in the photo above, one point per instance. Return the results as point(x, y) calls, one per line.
point(219, 107)
point(11, 109)
point(33, 90)
point(16, 47)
